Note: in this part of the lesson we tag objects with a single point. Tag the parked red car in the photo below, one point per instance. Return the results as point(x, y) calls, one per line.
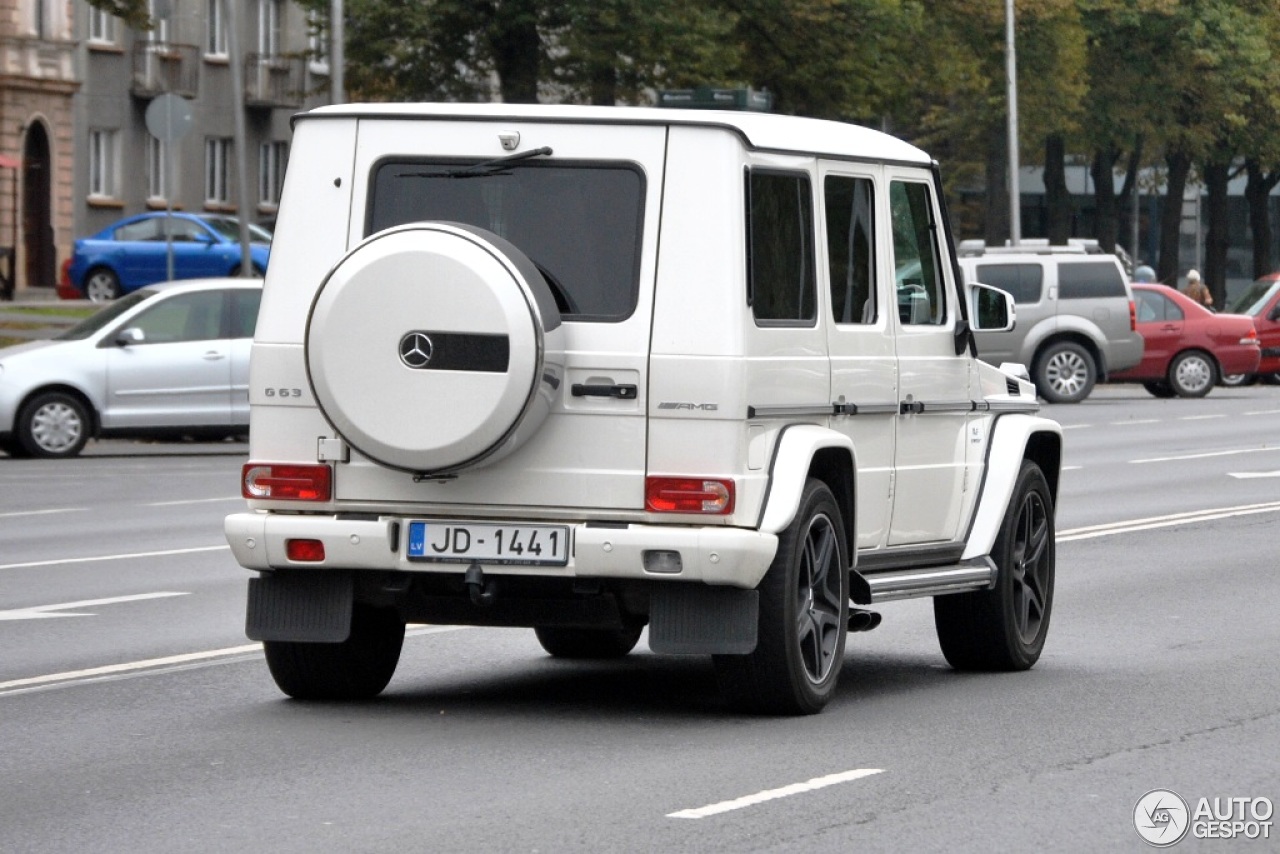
point(1261, 301)
point(1188, 347)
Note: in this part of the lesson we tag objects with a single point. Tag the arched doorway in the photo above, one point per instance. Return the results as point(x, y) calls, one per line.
point(37, 209)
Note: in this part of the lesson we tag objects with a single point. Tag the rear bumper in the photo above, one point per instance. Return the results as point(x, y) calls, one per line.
point(712, 555)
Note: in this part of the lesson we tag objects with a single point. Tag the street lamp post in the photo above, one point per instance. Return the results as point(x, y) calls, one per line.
point(1011, 68)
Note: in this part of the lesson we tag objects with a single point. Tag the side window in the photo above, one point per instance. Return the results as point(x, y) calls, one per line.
point(143, 229)
point(1024, 281)
point(1154, 307)
point(781, 282)
point(1090, 280)
point(190, 317)
point(921, 298)
point(850, 206)
point(244, 312)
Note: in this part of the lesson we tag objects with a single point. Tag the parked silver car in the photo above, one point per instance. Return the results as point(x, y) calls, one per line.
point(1076, 320)
point(169, 359)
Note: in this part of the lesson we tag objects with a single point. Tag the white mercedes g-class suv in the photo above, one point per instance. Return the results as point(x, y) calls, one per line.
point(591, 370)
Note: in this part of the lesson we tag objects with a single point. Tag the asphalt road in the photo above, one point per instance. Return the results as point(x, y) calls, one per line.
point(149, 723)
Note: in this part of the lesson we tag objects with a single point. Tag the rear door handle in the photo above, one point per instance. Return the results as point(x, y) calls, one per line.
point(622, 392)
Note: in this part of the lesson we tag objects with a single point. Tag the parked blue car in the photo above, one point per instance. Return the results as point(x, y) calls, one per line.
point(133, 252)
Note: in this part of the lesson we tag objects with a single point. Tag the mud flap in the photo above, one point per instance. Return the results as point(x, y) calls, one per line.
point(695, 619)
point(310, 607)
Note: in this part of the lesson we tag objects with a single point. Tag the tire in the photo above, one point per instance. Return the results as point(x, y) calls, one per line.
point(1193, 374)
point(1159, 388)
point(1238, 380)
point(53, 425)
point(804, 615)
point(355, 669)
point(1065, 373)
point(101, 285)
point(1004, 628)
point(562, 642)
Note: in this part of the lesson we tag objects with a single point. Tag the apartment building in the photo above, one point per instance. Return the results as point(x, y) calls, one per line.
point(75, 85)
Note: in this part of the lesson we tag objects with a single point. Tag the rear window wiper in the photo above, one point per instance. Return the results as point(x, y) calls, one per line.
point(485, 167)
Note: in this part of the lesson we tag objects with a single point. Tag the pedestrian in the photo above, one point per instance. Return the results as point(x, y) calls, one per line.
point(1198, 290)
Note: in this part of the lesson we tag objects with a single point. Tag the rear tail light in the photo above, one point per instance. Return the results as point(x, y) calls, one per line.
point(1133, 316)
point(1251, 337)
point(291, 482)
point(688, 495)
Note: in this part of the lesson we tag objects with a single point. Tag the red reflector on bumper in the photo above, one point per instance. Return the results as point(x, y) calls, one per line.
point(292, 482)
point(309, 550)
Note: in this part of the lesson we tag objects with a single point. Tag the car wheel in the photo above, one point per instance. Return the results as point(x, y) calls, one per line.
point(355, 669)
point(1269, 379)
point(1192, 374)
point(564, 642)
point(101, 285)
point(1237, 380)
point(803, 619)
point(1065, 373)
point(53, 425)
point(1159, 388)
point(1004, 628)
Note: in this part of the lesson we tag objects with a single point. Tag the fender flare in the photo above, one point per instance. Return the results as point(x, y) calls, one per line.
point(796, 447)
point(1014, 437)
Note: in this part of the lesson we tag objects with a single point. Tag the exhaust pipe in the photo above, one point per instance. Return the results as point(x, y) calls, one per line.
point(863, 621)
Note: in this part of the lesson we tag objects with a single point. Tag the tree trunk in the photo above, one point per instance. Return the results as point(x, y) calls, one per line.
point(1179, 164)
point(1056, 196)
point(517, 50)
point(1106, 223)
point(1129, 202)
point(1216, 176)
point(998, 225)
point(1257, 193)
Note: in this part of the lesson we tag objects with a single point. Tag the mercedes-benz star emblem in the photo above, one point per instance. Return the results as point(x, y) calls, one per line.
point(415, 350)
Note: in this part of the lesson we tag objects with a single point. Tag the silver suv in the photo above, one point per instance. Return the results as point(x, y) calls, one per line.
point(1076, 318)
point(592, 370)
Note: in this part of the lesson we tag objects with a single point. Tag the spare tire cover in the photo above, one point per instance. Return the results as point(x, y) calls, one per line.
point(434, 346)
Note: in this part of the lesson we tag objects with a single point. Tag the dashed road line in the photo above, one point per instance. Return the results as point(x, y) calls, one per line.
point(773, 794)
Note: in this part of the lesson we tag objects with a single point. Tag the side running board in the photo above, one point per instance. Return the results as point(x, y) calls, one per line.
point(976, 574)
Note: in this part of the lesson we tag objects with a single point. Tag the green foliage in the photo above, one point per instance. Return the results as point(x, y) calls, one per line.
point(135, 13)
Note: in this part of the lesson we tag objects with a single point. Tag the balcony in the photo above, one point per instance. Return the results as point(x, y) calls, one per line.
point(273, 80)
point(160, 67)
point(50, 63)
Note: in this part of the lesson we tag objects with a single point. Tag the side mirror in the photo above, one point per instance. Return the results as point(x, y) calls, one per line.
point(1274, 314)
point(132, 335)
point(990, 309)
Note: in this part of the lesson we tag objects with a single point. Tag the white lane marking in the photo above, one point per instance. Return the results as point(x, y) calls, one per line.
point(1076, 426)
point(134, 555)
point(1264, 412)
point(1135, 421)
point(1199, 417)
point(772, 794)
point(158, 665)
point(44, 512)
point(1109, 528)
point(1246, 475)
point(46, 612)
point(193, 501)
point(1206, 455)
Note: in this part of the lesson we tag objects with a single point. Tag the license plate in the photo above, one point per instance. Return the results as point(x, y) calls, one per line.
point(479, 542)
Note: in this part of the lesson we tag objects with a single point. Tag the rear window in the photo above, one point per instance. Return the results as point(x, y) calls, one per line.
point(580, 223)
point(1024, 281)
point(1090, 280)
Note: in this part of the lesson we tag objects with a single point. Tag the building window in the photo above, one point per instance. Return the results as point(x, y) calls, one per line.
point(269, 28)
point(159, 34)
point(102, 164)
point(271, 172)
point(157, 170)
point(318, 43)
point(215, 41)
point(217, 171)
point(102, 27)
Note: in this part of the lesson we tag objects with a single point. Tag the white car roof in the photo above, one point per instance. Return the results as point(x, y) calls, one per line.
point(767, 131)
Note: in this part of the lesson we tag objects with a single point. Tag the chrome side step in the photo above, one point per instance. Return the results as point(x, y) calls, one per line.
point(872, 588)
